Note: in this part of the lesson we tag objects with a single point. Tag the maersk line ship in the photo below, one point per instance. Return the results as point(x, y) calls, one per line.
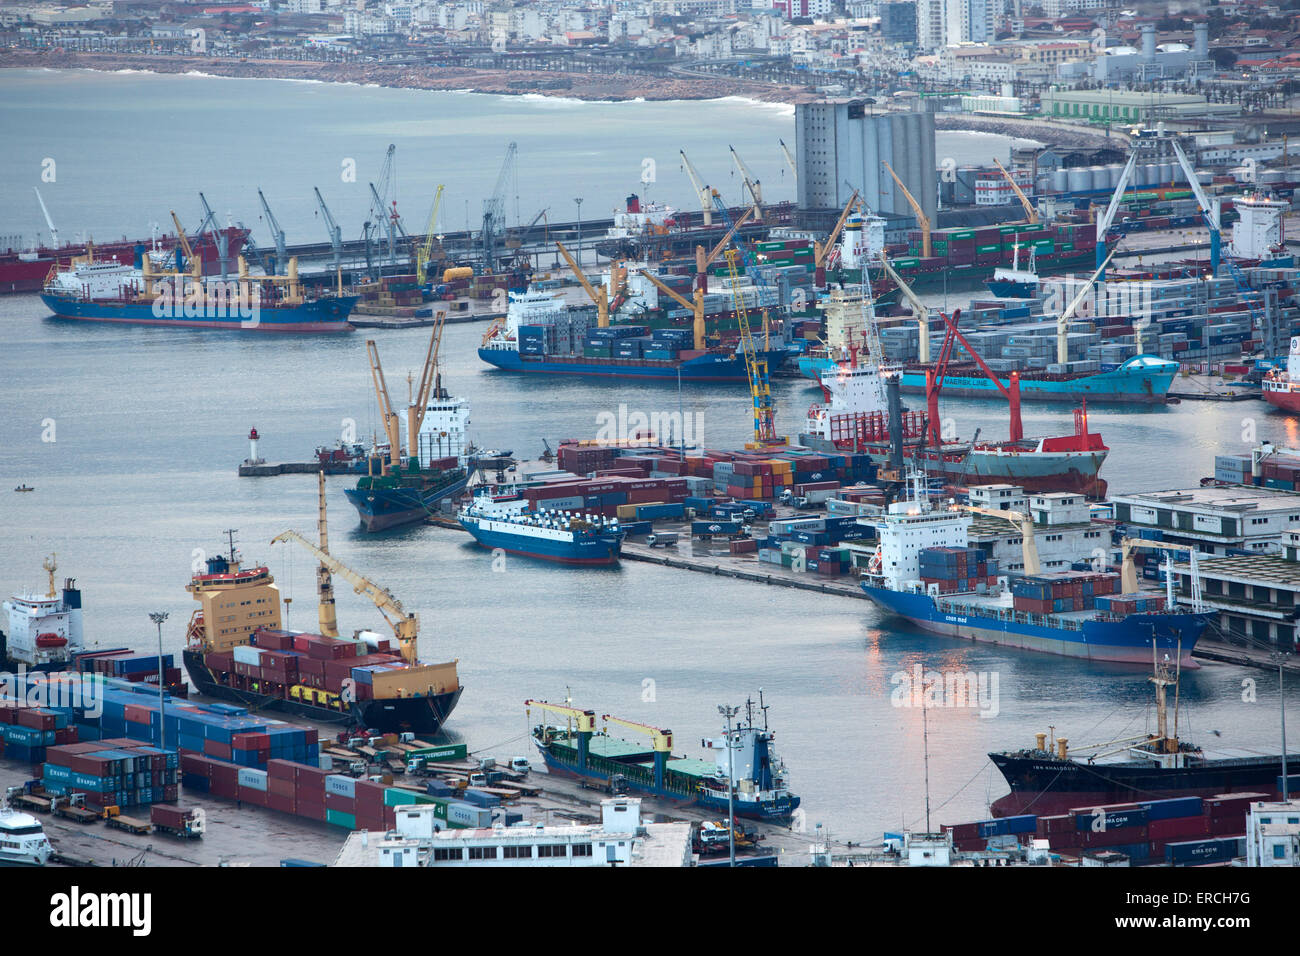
point(990, 615)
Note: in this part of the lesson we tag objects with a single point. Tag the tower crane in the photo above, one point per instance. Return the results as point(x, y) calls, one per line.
point(277, 233)
point(922, 220)
point(599, 297)
point(701, 190)
point(426, 251)
point(1024, 523)
point(405, 625)
point(661, 743)
point(494, 210)
point(1031, 214)
point(751, 183)
point(790, 160)
point(759, 388)
point(335, 231)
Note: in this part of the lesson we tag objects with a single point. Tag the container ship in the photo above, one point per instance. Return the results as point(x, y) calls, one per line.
point(925, 572)
point(431, 466)
point(1051, 777)
point(238, 650)
point(578, 750)
point(1281, 386)
point(646, 229)
point(549, 535)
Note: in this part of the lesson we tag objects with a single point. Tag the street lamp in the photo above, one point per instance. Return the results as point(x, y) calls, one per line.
point(1281, 699)
point(729, 713)
point(578, 200)
point(158, 617)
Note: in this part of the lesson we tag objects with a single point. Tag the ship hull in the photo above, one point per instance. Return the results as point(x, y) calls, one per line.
point(383, 508)
point(1048, 786)
point(590, 551)
point(1011, 288)
point(1285, 398)
point(1127, 641)
point(323, 315)
point(418, 715)
point(703, 368)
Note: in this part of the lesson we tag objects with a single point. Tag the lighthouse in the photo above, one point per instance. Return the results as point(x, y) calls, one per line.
point(253, 459)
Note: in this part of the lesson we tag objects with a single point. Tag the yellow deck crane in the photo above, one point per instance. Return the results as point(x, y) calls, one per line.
point(418, 399)
point(426, 251)
point(325, 610)
point(704, 259)
point(696, 306)
point(405, 625)
point(661, 744)
point(1031, 214)
point(822, 250)
point(919, 309)
point(392, 430)
point(760, 389)
point(599, 297)
point(1024, 524)
point(582, 722)
point(1128, 568)
point(922, 220)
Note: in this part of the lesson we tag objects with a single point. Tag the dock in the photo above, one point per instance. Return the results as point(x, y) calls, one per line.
point(1212, 388)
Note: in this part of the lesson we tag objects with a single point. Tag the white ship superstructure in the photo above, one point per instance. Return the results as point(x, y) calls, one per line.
point(44, 630)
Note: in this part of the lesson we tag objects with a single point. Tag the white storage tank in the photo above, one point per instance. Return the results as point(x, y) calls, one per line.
point(1060, 180)
point(1080, 179)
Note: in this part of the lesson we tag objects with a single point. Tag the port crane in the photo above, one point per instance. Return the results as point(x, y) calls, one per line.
point(704, 259)
point(1031, 214)
point(822, 250)
point(695, 304)
point(757, 372)
point(1024, 524)
point(54, 233)
point(790, 160)
point(600, 297)
point(335, 231)
point(752, 184)
point(426, 251)
point(405, 624)
point(391, 429)
point(220, 237)
point(494, 210)
point(325, 610)
point(661, 743)
point(919, 309)
point(922, 220)
point(381, 213)
point(277, 233)
point(1128, 568)
point(419, 400)
point(1063, 320)
point(702, 191)
point(934, 378)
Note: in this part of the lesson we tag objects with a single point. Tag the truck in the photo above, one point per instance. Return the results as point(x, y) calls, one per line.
point(115, 819)
point(28, 798)
point(706, 530)
point(73, 807)
point(184, 822)
point(616, 785)
point(667, 539)
point(712, 837)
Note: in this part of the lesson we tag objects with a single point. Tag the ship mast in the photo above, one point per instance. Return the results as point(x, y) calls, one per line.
point(329, 625)
point(50, 566)
point(1161, 679)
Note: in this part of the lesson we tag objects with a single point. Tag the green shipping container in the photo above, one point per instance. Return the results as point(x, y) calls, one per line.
point(341, 819)
point(909, 262)
point(1065, 247)
point(962, 234)
point(993, 248)
point(444, 753)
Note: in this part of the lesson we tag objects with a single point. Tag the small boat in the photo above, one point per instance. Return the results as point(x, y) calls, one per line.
point(22, 839)
point(24, 488)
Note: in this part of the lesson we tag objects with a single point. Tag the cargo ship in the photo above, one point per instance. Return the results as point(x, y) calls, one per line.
point(44, 630)
point(1281, 386)
point(549, 535)
point(1051, 779)
point(238, 650)
point(432, 465)
point(761, 788)
point(646, 229)
point(1076, 614)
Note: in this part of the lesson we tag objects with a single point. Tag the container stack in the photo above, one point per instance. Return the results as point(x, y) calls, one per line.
point(120, 773)
point(129, 665)
point(957, 570)
point(1060, 593)
point(1122, 604)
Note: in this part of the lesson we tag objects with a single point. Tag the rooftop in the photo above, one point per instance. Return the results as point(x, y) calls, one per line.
point(1250, 568)
point(1225, 499)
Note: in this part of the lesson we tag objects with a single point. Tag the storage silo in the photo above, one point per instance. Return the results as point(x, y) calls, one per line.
point(1060, 180)
point(1080, 179)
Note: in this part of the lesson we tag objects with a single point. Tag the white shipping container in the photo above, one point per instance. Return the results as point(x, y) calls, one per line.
point(247, 654)
point(253, 779)
point(343, 786)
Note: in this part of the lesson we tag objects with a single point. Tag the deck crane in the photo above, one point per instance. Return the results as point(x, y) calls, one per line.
point(1024, 523)
point(392, 430)
point(54, 233)
point(702, 191)
point(193, 264)
point(661, 743)
point(585, 721)
point(335, 231)
point(760, 389)
point(1011, 391)
point(922, 220)
point(751, 183)
point(1063, 320)
point(599, 297)
point(1128, 569)
point(919, 308)
point(405, 624)
point(222, 240)
point(704, 259)
point(494, 210)
point(419, 400)
point(277, 234)
point(695, 304)
point(325, 610)
point(1031, 214)
point(821, 250)
point(790, 160)
point(426, 250)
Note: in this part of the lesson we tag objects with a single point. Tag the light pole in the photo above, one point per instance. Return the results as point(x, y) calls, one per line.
point(1281, 699)
point(158, 617)
point(730, 712)
point(578, 200)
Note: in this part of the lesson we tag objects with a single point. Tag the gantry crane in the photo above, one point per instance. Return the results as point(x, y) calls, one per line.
point(335, 231)
point(790, 160)
point(695, 304)
point(919, 308)
point(277, 234)
point(752, 184)
point(759, 387)
point(599, 297)
point(585, 721)
point(405, 625)
point(426, 251)
point(701, 190)
point(922, 220)
point(1031, 214)
point(1063, 320)
point(661, 743)
point(1024, 523)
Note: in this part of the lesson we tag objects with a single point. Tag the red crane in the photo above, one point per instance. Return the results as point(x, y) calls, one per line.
point(935, 375)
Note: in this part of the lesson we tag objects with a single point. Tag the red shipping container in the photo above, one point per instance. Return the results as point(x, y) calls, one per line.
point(284, 803)
point(251, 796)
point(1177, 829)
point(216, 749)
point(336, 801)
point(35, 719)
point(280, 770)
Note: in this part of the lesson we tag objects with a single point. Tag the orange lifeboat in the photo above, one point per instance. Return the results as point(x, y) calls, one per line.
point(50, 639)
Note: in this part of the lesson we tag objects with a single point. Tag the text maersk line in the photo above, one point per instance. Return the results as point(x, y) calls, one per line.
point(82, 692)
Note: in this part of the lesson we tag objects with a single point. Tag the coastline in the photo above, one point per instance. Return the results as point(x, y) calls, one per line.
point(580, 86)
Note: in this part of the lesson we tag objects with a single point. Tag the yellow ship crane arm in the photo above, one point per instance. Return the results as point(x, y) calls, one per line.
point(921, 310)
point(922, 219)
point(194, 266)
point(822, 250)
point(1028, 545)
point(662, 739)
point(422, 262)
point(415, 411)
point(586, 719)
point(1031, 214)
point(386, 412)
point(1128, 569)
point(696, 307)
point(405, 625)
point(599, 297)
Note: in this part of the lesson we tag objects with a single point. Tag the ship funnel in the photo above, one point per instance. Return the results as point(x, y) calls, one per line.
point(1061, 749)
point(1040, 741)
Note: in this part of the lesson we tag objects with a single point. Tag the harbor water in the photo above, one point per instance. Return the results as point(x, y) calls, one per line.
point(131, 437)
